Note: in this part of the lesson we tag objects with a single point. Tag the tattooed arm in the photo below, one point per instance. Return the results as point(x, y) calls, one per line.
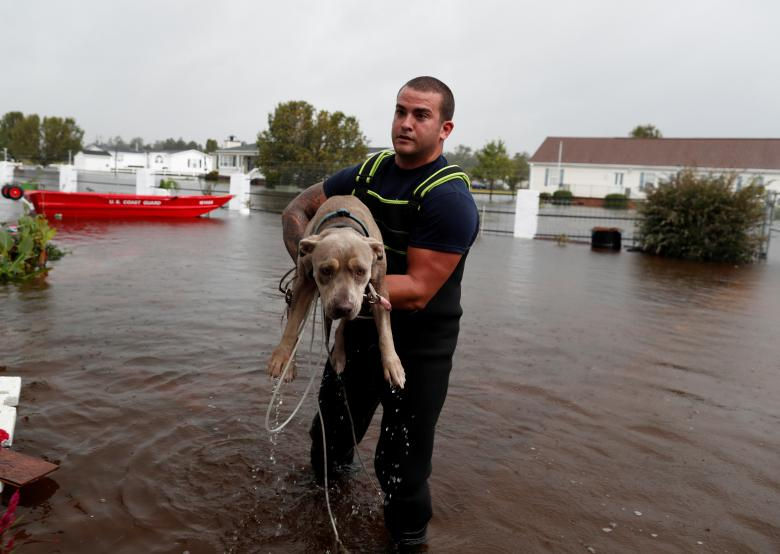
point(297, 214)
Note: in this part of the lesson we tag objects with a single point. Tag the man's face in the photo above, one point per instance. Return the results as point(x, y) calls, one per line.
point(418, 131)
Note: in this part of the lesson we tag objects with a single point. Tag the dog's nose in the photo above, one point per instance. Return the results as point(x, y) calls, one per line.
point(341, 309)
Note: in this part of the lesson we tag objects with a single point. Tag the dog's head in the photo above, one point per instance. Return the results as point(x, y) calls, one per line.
point(341, 264)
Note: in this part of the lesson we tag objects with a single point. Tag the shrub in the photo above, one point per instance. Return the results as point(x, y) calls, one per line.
point(616, 201)
point(562, 196)
point(545, 197)
point(25, 248)
point(168, 184)
point(212, 175)
point(702, 218)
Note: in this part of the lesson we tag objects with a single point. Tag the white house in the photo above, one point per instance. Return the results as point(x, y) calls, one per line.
point(185, 162)
point(236, 157)
point(595, 167)
point(93, 158)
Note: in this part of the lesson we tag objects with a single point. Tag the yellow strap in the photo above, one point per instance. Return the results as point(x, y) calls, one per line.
point(459, 175)
point(377, 158)
point(421, 185)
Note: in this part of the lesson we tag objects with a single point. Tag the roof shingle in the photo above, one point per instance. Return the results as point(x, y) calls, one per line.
point(715, 153)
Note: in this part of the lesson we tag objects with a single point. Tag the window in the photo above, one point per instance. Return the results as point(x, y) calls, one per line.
point(738, 183)
point(550, 178)
point(619, 179)
point(647, 180)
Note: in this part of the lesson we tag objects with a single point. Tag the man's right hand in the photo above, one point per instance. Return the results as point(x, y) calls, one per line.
point(297, 215)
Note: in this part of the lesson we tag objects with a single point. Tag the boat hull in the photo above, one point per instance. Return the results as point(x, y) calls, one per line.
point(94, 205)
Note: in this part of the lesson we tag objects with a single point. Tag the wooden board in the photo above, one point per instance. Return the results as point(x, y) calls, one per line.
point(19, 469)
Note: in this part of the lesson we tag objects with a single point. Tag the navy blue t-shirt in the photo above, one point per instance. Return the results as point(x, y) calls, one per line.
point(448, 219)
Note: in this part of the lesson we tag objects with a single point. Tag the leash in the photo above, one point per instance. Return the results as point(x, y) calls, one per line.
point(277, 387)
point(281, 426)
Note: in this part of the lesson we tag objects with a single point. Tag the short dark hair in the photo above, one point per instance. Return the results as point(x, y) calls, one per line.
point(432, 84)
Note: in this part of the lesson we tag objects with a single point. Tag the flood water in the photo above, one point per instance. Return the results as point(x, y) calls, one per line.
point(613, 401)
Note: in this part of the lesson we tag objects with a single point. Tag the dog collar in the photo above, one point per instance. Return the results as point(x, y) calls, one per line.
point(341, 213)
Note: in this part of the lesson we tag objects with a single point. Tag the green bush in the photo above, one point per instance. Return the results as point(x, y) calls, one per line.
point(702, 218)
point(212, 175)
point(168, 184)
point(616, 201)
point(562, 196)
point(545, 197)
point(25, 249)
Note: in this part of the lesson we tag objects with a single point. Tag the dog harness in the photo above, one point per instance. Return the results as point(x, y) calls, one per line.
point(341, 213)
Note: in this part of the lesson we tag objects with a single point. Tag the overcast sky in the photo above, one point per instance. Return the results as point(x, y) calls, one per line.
point(520, 71)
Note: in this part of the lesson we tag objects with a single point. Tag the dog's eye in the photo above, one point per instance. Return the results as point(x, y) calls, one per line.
point(359, 272)
point(326, 271)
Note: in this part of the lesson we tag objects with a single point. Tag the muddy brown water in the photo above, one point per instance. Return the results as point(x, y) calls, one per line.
point(612, 401)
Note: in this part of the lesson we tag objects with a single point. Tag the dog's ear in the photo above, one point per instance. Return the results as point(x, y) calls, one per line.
point(377, 247)
point(307, 245)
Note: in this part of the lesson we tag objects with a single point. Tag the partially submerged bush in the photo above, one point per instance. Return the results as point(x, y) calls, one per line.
point(616, 201)
point(702, 218)
point(25, 249)
point(545, 197)
point(212, 175)
point(562, 196)
point(168, 184)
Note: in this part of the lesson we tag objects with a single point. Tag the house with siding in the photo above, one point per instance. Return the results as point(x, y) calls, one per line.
point(102, 158)
point(594, 167)
point(236, 157)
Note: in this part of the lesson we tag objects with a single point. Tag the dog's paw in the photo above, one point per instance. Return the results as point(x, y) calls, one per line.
point(394, 371)
point(338, 360)
point(278, 361)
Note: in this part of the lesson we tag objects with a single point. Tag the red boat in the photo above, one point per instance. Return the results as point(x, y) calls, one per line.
point(95, 205)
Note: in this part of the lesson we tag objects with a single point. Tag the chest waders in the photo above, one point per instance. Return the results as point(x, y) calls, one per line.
point(425, 341)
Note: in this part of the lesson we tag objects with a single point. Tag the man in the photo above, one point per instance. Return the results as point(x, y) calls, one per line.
point(429, 221)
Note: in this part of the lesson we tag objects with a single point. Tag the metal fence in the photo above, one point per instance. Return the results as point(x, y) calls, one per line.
point(557, 221)
point(771, 223)
point(574, 223)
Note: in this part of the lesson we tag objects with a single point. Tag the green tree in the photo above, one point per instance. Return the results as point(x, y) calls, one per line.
point(302, 146)
point(493, 164)
point(175, 144)
point(462, 156)
point(136, 144)
point(519, 170)
point(7, 123)
point(211, 146)
point(59, 137)
point(646, 131)
point(117, 143)
point(25, 139)
point(702, 218)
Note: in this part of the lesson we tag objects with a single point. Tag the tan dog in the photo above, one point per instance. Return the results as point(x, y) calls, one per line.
point(341, 252)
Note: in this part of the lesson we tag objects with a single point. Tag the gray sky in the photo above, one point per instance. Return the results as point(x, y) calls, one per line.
point(520, 71)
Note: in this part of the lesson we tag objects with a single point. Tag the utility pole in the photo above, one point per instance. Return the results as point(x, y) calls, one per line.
point(70, 157)
point(5, 153)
